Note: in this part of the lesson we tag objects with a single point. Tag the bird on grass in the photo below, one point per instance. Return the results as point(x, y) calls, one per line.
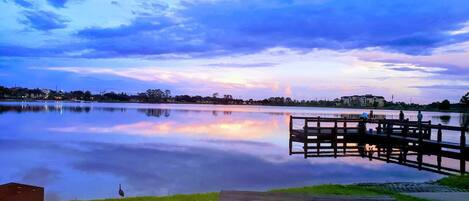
point(121, 192)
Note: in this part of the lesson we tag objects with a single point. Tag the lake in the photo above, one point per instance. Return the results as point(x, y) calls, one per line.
point(85, 150)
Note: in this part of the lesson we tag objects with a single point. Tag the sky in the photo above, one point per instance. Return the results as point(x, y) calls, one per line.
point(416, 51)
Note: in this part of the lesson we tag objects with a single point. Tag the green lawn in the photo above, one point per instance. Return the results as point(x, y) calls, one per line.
point(455, 181)
point(189, 197)
point(316, 190)
point(334, 189)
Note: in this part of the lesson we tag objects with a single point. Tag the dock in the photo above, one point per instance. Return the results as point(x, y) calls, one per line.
point(410, 143)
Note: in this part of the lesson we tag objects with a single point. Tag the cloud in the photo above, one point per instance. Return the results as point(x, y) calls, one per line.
point(24, 3)
point(220, 129)
point(138, 25)
point(288, 91)
point(413, 68)
point(444, 60)
point(43, 20)
point(463, 30)
point(40, 176)
point(57, 3)
point(20, 51)
point(242, 65)
point(202, 77)
point(329, 24)
point(444, 87)
point(234, 27)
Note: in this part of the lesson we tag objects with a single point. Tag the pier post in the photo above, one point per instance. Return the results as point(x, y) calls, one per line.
point(305, 144)
point(462, 142)
point(406, 128)
point(388, 136)
point(420, 140)
point(378, 130)
point(318, 144)
point(290, 142)
point(361, 132)
point(438, 139)
point(334, 138)
point(429, 130)
point(345, 134)
point(319, 122)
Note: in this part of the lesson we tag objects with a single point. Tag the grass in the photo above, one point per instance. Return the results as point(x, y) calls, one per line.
point(461, 182)
point(188, 197)
point(329, 189)
point(353, 190)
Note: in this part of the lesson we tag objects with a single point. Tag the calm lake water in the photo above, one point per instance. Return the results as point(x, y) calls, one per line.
point(83, 151)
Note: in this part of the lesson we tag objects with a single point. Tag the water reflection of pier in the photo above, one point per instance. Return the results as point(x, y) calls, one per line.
point(408, 143)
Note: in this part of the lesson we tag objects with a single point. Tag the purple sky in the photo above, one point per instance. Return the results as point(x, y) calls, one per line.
point(415, 50)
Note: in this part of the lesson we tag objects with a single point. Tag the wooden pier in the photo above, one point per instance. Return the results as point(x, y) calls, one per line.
point(410, 143)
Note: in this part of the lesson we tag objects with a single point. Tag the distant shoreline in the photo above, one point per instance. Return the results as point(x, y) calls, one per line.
point(186, 103)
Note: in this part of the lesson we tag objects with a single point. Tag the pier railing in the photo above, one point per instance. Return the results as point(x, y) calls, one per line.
point(408, 143)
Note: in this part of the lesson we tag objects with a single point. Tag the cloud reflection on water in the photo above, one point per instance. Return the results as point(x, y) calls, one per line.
point(158, 169)
point(172, 149)
point(220, 128)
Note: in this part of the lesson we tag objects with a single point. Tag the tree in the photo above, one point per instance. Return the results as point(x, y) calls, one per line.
point(215, 95)
point(87, 96)
point(167, 94)
point(155, 95)
point(4, 92)
point(465, 99)
point(444, 105)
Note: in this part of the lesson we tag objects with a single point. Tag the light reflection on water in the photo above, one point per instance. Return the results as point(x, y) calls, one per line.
point(85, 150)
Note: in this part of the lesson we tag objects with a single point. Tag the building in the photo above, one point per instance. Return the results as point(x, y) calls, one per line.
point(21, 192)
point(367, 100)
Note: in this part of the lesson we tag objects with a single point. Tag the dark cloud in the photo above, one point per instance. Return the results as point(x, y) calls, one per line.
point(240, 27)
point(139, 25)
point(234, 27)
point(397, 25)
point(24, 3)
point(43, 20)
point(57, 3)
point(406, 68)
point(444, 87)
point(444, 69)
point(40, 176)
point(21, 51)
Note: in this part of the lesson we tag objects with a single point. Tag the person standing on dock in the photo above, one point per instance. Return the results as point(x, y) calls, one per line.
point(401, 116)
point(362, 123)
point(419, 117)
point(371, 114)
point(364, 116)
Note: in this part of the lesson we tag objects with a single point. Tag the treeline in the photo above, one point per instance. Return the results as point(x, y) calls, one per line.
point(165, 96)
point(149, 96)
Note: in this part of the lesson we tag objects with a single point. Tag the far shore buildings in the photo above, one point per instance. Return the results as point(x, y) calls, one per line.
point(367, 100)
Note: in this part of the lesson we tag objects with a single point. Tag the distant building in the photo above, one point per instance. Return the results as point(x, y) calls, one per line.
point(367, 100)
